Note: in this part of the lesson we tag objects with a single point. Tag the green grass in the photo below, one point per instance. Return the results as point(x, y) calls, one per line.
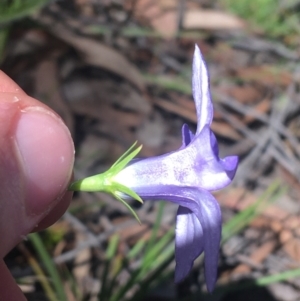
point(12, 10)
point(55, 285)
point(268, 15)
point(245, 217)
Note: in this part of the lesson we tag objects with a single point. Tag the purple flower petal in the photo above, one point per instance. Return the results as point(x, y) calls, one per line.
point(205, 169)
point(211, 221)
point(187, 136)
point(194, 166)
point(189, 242)
point(206, 209)
point(214, 144)
point(201, 93)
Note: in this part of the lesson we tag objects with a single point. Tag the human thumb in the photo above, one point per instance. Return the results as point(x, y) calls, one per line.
point(36, 161)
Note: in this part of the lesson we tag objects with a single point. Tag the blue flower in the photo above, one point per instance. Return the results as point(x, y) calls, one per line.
point(187, 177)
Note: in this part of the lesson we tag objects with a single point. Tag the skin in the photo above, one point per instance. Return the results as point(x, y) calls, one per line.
point(36, 161)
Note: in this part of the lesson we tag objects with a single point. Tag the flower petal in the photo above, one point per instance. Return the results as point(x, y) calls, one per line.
point(187, 136)
point(205, 207)
point(196, 165)
point(214, 144)
point(205, 169)
point(201, 93)
point(189, 242)
point(211, 221)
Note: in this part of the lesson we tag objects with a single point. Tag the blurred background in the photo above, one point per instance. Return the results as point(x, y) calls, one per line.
point(120, 71)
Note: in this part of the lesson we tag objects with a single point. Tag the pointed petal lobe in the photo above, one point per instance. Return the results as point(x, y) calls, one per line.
point(189, 242)
point(201, 93)
point(203, 206)
point(211, 221)
point(187, 136)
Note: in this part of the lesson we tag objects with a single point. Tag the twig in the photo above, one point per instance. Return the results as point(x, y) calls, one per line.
point(264, 144)
point(260, 45)
point(91, 242)
point(276, 122)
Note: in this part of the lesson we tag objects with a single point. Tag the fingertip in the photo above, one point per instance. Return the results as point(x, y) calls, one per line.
point(45, 151)
point(55, 213)
point(36, 159)
point(9, 290)
point(8, 85)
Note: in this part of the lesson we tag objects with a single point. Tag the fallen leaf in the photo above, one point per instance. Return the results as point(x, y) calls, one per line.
point(47, 89)
point(211, 20)
point(246, 94)
point(177, 108)
point(248, 200)
point(92, 92)
point(257, 257)
point(224, 129)
point(266, 75)
point(275, 212)
point(262, 107)
point(292, 222)
point(287, 291)
point(186, 110)
point(134, 231)
point(97, 54)
point(285, 235)
point(82, 265)
point(276, 226)
point(292, 248)
point(161, 15)
point(231, 197)
point(260, 222)
point(166, 24)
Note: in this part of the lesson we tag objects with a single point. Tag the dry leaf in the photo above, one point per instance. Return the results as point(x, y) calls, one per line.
point(183, 108)
point(161, 15)
point(260, 222)
point(91, 92)
point(246, 94)
point(292, 248)
point(176, 108)
point(97, 54)
point(82, 264)
point(211, 20)
point(285, 235)
point(275, 212)
point(166, 24)
point(47, 89)
point(257, 257)
point(151, 9)
point(136, 230)
point(262, 108)
point(224, 129)
point(293, 222)
point(276, 226)
point(231, 197)
point(266, 75)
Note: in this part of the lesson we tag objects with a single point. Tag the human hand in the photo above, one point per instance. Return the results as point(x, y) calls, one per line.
point(36, 161)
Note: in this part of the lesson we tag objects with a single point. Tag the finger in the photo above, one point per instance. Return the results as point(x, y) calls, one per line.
point(9, 290)
point(55, 213)
point(36, 160)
